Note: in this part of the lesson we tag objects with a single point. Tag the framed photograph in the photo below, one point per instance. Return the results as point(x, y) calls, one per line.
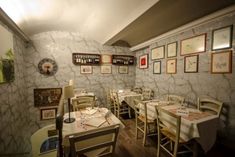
point(106, 69)
point(47, 96)
point(194, 44)
point(171, 66)
point(172, 50)
point(143, 61)
point(221, 62)
point(106, 59)
point(123, 69)
point(191, 64)
point(157, 67)
point(86, 69)
point(48, 113)
point(222, 38)
point(158, 52)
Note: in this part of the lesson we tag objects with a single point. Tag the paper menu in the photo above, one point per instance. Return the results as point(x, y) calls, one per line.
point(96, 122)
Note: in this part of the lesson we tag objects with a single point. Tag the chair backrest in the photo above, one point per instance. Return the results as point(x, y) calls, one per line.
point(175, 98)
point(210, 105)
point(109, 99)
point(94, 140)
point(147, 94)
point(83, 102)
point(140, 109)
point(168, 123)
point(137, 90)
point(116, 101)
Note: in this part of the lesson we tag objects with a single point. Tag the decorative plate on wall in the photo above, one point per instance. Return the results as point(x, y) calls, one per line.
point(47, 67)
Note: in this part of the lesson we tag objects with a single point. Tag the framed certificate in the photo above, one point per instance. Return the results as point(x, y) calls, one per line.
point(157, 67)
point(171, 66)
point(191, 64)
point(158, 52)
point(172, 50)
point(221, 62)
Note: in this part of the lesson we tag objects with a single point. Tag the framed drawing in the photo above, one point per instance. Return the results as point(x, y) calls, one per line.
point(123, 69)
point(221, 62)
point(158, 52)
point(48, 113)
point(191, 64)
point(172, 50)
point(157, 67)
point(86, 69)
point(106, 58)
point(171, 66)
point(194, 44)
point(47, 96)
point(222, 38)
point(143, 61)
point(106, 69)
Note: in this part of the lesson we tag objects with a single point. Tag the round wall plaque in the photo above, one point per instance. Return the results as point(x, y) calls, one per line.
point(47, 67)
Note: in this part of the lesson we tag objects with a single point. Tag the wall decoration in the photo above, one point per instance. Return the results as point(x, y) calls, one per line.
point(48, 113)
point(157, 67)
point(86, 59)
point(47, 96)
point(106, 69)
point(172, 50)
point(221, 62)
point(106, 59)
point(194, 44)
point(171, 66)
point(86, 69)
point(191, 64)
point(143, 61)
point(47, 67)
point(6, 56)
point(222, 38)
point(123, 69)
point(123, 60)
point(158, 52)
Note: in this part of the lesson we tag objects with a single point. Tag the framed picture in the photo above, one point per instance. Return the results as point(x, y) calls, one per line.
point(86, 69)
point(191, 64)
point(172, 50)
point(123, 69)
point(221, 62)
point(194, 44)
point(48, 113)
point(47, 96)
point(222, 38)
point(143, 61)
point(157, 67)
point(106, 58)
point(171, 66)
point(106, 69)
point(158, 52)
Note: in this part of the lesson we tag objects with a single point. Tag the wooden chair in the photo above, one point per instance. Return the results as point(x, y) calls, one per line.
point(210, 105)
point(175, 98)
point(98, 143)
point(109, 100)
point(147, 94)
point(168, 128)
point(120, 108)
point(144, 124)
point(83, 102)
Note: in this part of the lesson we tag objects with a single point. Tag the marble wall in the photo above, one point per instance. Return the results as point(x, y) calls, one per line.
point(193, 85)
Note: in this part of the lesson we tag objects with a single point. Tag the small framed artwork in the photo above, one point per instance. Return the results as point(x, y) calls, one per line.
point(171, 66)
point(106, 59)
point(172, 50)
point(86, 69)
point(158, 52)
point(123, 69)
point(222, 38)
point(106, 69)
point(48, 113)
point(191, 64)
point(157, 67)
point(194, 44)
point(143, 61)
point(221, 62)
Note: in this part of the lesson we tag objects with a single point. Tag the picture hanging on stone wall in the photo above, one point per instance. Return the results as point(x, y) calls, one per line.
point(106, 69)
point(143, 61)
point(157, 67)
point(158, 52)
point(123, 69)
point(6, 56)
point(47, 67)
point(86, 69)
point(221, 62)
point(171, 66)
point(191, 64)
point(172, 50)
point(48, 113)
point(106, 59)
point(222, 38)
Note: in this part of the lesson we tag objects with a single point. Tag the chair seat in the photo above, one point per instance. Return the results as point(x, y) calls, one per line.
point(169, 134)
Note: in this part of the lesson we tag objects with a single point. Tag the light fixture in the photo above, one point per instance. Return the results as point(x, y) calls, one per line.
point(68, 94)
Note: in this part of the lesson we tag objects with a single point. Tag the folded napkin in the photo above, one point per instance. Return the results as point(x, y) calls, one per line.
point(96, 122)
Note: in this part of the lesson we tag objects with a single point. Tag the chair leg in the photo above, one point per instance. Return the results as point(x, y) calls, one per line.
point(158, 146)
point(145, 133)
point(136, 129)
point(129, 111)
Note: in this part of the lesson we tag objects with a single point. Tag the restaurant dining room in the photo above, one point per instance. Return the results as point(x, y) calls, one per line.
point(120, 78)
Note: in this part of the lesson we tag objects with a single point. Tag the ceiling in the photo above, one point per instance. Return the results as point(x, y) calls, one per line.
point(110, 22)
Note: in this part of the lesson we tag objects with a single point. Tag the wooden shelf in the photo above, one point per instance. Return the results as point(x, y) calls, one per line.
point(86, 59)
point(123, 60)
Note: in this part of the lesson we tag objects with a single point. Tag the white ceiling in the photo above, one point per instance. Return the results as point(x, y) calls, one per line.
point(96, 19)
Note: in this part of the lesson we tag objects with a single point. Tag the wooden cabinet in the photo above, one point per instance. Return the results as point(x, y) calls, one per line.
point(123, 60)
point(86, 59)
